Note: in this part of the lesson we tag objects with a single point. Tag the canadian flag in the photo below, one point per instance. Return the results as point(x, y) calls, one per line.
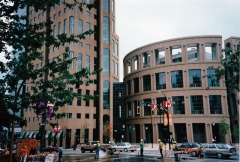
point(167, 104)
point(154, 107)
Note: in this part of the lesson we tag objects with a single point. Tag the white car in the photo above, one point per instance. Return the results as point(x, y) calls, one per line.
point(124, 146)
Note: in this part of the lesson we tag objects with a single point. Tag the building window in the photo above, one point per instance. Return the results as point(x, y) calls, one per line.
point(129, 66)
point(136, 62)
point(54, 31)
point(147, 83)
point(88, 14)
point(129, 109)
point(79, 99)
point(59, 28)
point(88, 46)
point(78, 115)
point(160, 80)
point(106, 86)
point(54, 16)
point(112, 5)
point(136, 85)
point(71, 24)
point(88, 63)
point(212, 80)
point(65, 26)
point(116, 49)
point(71, 55)
point(65, 10)
point(87, 101)
point(113, 26)
point(146, 59)
point(69, 115)
point(193, 52)
point(178, 102)
point(176, 54)
point(147, 107)
point(215, 104)
point(210, 51)
point(129, 87)
point(106, 60)
point(39, 15)
point(113, 66)
point(194, 77)
point(177, 79)
point(196, 103)
point(106, 32)
point(88, 27)
point(80, 10)
point(88, 1)
point(116, 69)
point(70, 91)
point(105, 5)
point(160, 56)
point(94, 116)
point(79, 44)
point(113, 44)
point(79, 62)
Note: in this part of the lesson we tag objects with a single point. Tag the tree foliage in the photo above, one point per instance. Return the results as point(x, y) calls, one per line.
point(236, 131)
point(223, 127)
point(107, 131)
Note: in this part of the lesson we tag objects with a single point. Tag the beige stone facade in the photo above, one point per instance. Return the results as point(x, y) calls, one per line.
point(183, 63)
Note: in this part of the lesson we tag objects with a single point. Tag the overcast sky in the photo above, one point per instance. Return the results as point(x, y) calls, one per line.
point(140, 22)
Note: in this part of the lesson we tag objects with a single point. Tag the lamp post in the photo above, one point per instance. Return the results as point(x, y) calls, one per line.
point(166, 110)
point(123, 126)
point(214, 137)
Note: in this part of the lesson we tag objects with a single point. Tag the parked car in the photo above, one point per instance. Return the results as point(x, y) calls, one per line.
point(124, 146)
point(50, 148)
point(219, 150)
point(192, 148)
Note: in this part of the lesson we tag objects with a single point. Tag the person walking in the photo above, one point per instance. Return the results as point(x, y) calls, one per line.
point(141, 147)
point(174, 147)
point(161, 145)
point(33, 152)
point(60, 152)
point(97, 149)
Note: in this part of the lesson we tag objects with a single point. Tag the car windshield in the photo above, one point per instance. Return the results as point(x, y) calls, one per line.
point(222, 147)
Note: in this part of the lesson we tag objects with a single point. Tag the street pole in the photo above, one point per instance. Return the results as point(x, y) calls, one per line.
point(152, 126)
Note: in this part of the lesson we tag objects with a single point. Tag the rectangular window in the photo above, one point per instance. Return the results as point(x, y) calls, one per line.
point(71, 24)
point(136, 62)
point(79, 44)
point(80, 26)
point(59, 28)
point(193, 52)
point(215, 104)
point(129, 66)
point(88, 46)
point(176, 54)
point(88, 14)
point(71, 55)
point(147, 107)
point(59, 13)
point(146, 59)
point(147, 83)
point(88, 27)
point(129, 110)
point(178, 102)
point(79, 99)
point(196, 103)
point(160, 80)
point(113, 66)
point(54, 16)
point(69, 115)
point(78, 115)
point(79, 62)
point(113, 44)
point(160, 56)
point(54, 31)
point(65, 26)
point(112, 5)
point(212, 80)
point(194, 77)
point(177, 79)
point(86, 116)
point(116, 69)
point(120, 111)
point(210, 51)
point(65, 10)
point(129, 87)
point(136, 85)
point(71, 91)
point(88, 63)
point(116, 49)
point(87, 93)
point(113, 26)
point(105, 5)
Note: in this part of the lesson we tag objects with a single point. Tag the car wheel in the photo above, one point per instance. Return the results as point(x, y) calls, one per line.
point(219, 156)
point(126, 150)
point(194, 154)
point(83, 150)
point(114, 150)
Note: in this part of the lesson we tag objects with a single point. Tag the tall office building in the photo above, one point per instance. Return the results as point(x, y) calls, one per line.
point(85, 120)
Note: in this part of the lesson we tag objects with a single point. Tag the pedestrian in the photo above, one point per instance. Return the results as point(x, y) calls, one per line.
point(60, 152)
point(33, 152)
point(161, 145)
point(141, 147)
point(25, 153)
point(5, 149)
point(174, 147)
point(97, 149)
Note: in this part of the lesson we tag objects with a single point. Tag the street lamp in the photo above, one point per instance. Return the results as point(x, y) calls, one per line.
point(166, 110)
point(123, 126)
point(214, 137)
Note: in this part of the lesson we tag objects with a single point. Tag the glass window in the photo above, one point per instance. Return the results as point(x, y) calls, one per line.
point(105, 5)
point(59, 28)
point(54, 31)
point(196, 104)
point(194, 77)
point(177, 79)
point(79, 44)
point(215, 104)
point(79, 61)
point(161, 80)
point(71, 24)
point(160, 56)
point(178, 102)
point(88, 46)
point(59, 13)
point(78, 115)
point(65, 26)
point(136, 62)
point(88, 1)
point(88, 14)
point(129, 87)
point(210, 51)
point(113, 66)
point(176, 54)
point(86, 116)
point(180, 131)
point(116, 69)
point(71, 55)
point(147, 107)
point(112, 5)
point(80, 26)
point(88, 63)
point(71, 91)
point(88, 27)
point(113, 26)
point(87, 101)
point(193, 52)
point(116, 49)
point(106, 62)
point(106, 86)
point(65, 10)
point(113, 44)
point(129, 66)
point(136, 85)
point(54, 16)
point(79, 100)
point(146, 59)
point(212, 81)
point(147, 83)
point(106, 32)
point(199, 133)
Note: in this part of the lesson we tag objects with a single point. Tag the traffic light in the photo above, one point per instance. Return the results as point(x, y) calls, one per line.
point(152, 112)
point(138, 110)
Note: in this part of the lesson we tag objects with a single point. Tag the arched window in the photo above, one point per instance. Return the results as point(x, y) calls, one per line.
point(106, 32)
point(106, 93)
point(106, 62)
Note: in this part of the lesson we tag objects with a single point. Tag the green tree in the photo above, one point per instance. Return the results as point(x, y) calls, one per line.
point(223, 127)
point(236, 131)
point(48, 83)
